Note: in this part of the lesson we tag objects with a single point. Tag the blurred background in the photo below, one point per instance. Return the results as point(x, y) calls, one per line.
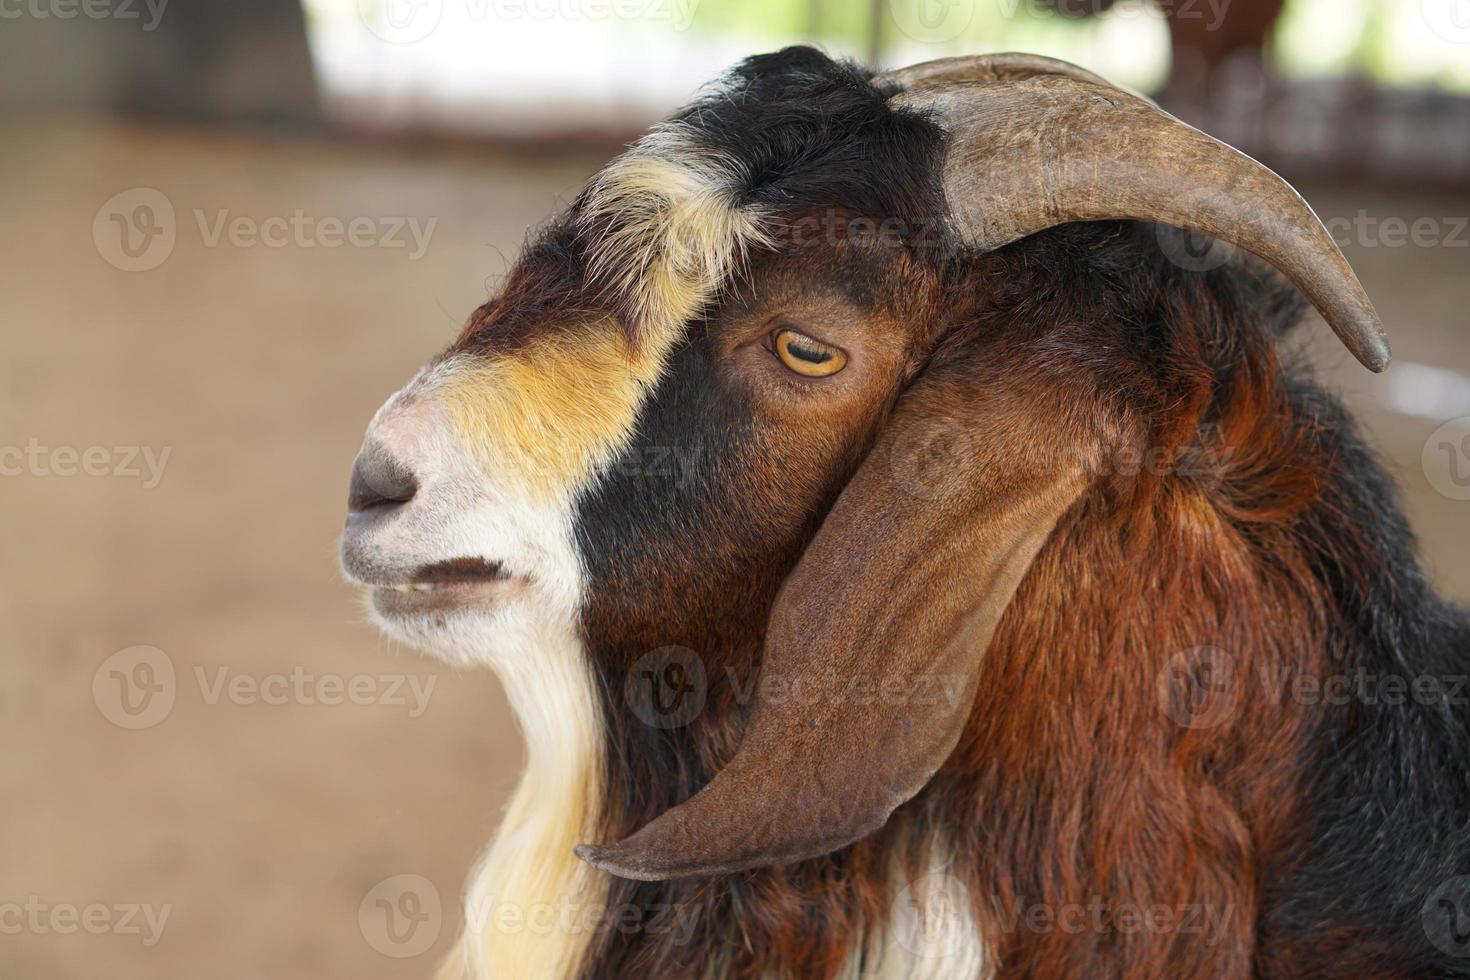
point(231, 229)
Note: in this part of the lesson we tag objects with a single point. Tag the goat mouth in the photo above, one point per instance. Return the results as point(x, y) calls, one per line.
point(445, 585)
point(458, 570)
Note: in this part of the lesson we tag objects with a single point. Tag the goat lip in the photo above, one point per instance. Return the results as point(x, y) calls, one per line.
point(442, 595)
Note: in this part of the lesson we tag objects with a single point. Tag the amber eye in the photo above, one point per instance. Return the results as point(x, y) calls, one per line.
point(806, 356)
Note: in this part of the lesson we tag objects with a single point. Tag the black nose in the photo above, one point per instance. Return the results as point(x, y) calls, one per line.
point(379, 481)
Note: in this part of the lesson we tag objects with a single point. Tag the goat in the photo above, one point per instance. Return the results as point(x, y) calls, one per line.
point(1002, 548)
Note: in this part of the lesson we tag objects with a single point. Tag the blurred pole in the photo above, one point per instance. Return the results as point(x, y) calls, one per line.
point(1202, 48)
point(210, 60)
point(225, 61)
point(875, 33)
point(813, 19)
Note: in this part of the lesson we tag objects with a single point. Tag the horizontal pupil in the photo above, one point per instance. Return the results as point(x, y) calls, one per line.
point(807, 354)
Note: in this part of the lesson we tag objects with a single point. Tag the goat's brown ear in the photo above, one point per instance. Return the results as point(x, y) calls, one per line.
point(877, 639)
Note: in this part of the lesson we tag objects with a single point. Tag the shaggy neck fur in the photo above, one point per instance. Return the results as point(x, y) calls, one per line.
point(1138, 791)
point(892, 907)
point(532, 906)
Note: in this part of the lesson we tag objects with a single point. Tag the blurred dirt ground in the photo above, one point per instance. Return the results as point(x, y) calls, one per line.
point(263, 827)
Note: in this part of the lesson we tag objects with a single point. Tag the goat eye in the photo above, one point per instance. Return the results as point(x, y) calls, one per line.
point(806, 356)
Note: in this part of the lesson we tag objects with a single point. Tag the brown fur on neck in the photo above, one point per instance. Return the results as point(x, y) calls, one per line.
point(1076, 783)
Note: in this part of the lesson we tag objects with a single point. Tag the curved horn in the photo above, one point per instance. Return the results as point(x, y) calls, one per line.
point(1010, 67)
point(1036, 143)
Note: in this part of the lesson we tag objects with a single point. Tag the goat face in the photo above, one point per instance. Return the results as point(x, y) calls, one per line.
point(551, 482)
point(674, 427)
point(619, 424)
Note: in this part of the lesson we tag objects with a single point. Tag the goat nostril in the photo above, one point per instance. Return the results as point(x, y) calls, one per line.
point(379, 480)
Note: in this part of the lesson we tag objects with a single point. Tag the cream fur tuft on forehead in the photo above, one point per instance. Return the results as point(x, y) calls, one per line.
point(665, 228)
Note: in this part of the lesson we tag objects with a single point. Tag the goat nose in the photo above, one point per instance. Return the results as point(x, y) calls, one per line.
point(379, 481)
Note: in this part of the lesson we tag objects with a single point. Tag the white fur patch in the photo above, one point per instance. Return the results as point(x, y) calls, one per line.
point(532, 906)
point(930, 933)
point(669, 228)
